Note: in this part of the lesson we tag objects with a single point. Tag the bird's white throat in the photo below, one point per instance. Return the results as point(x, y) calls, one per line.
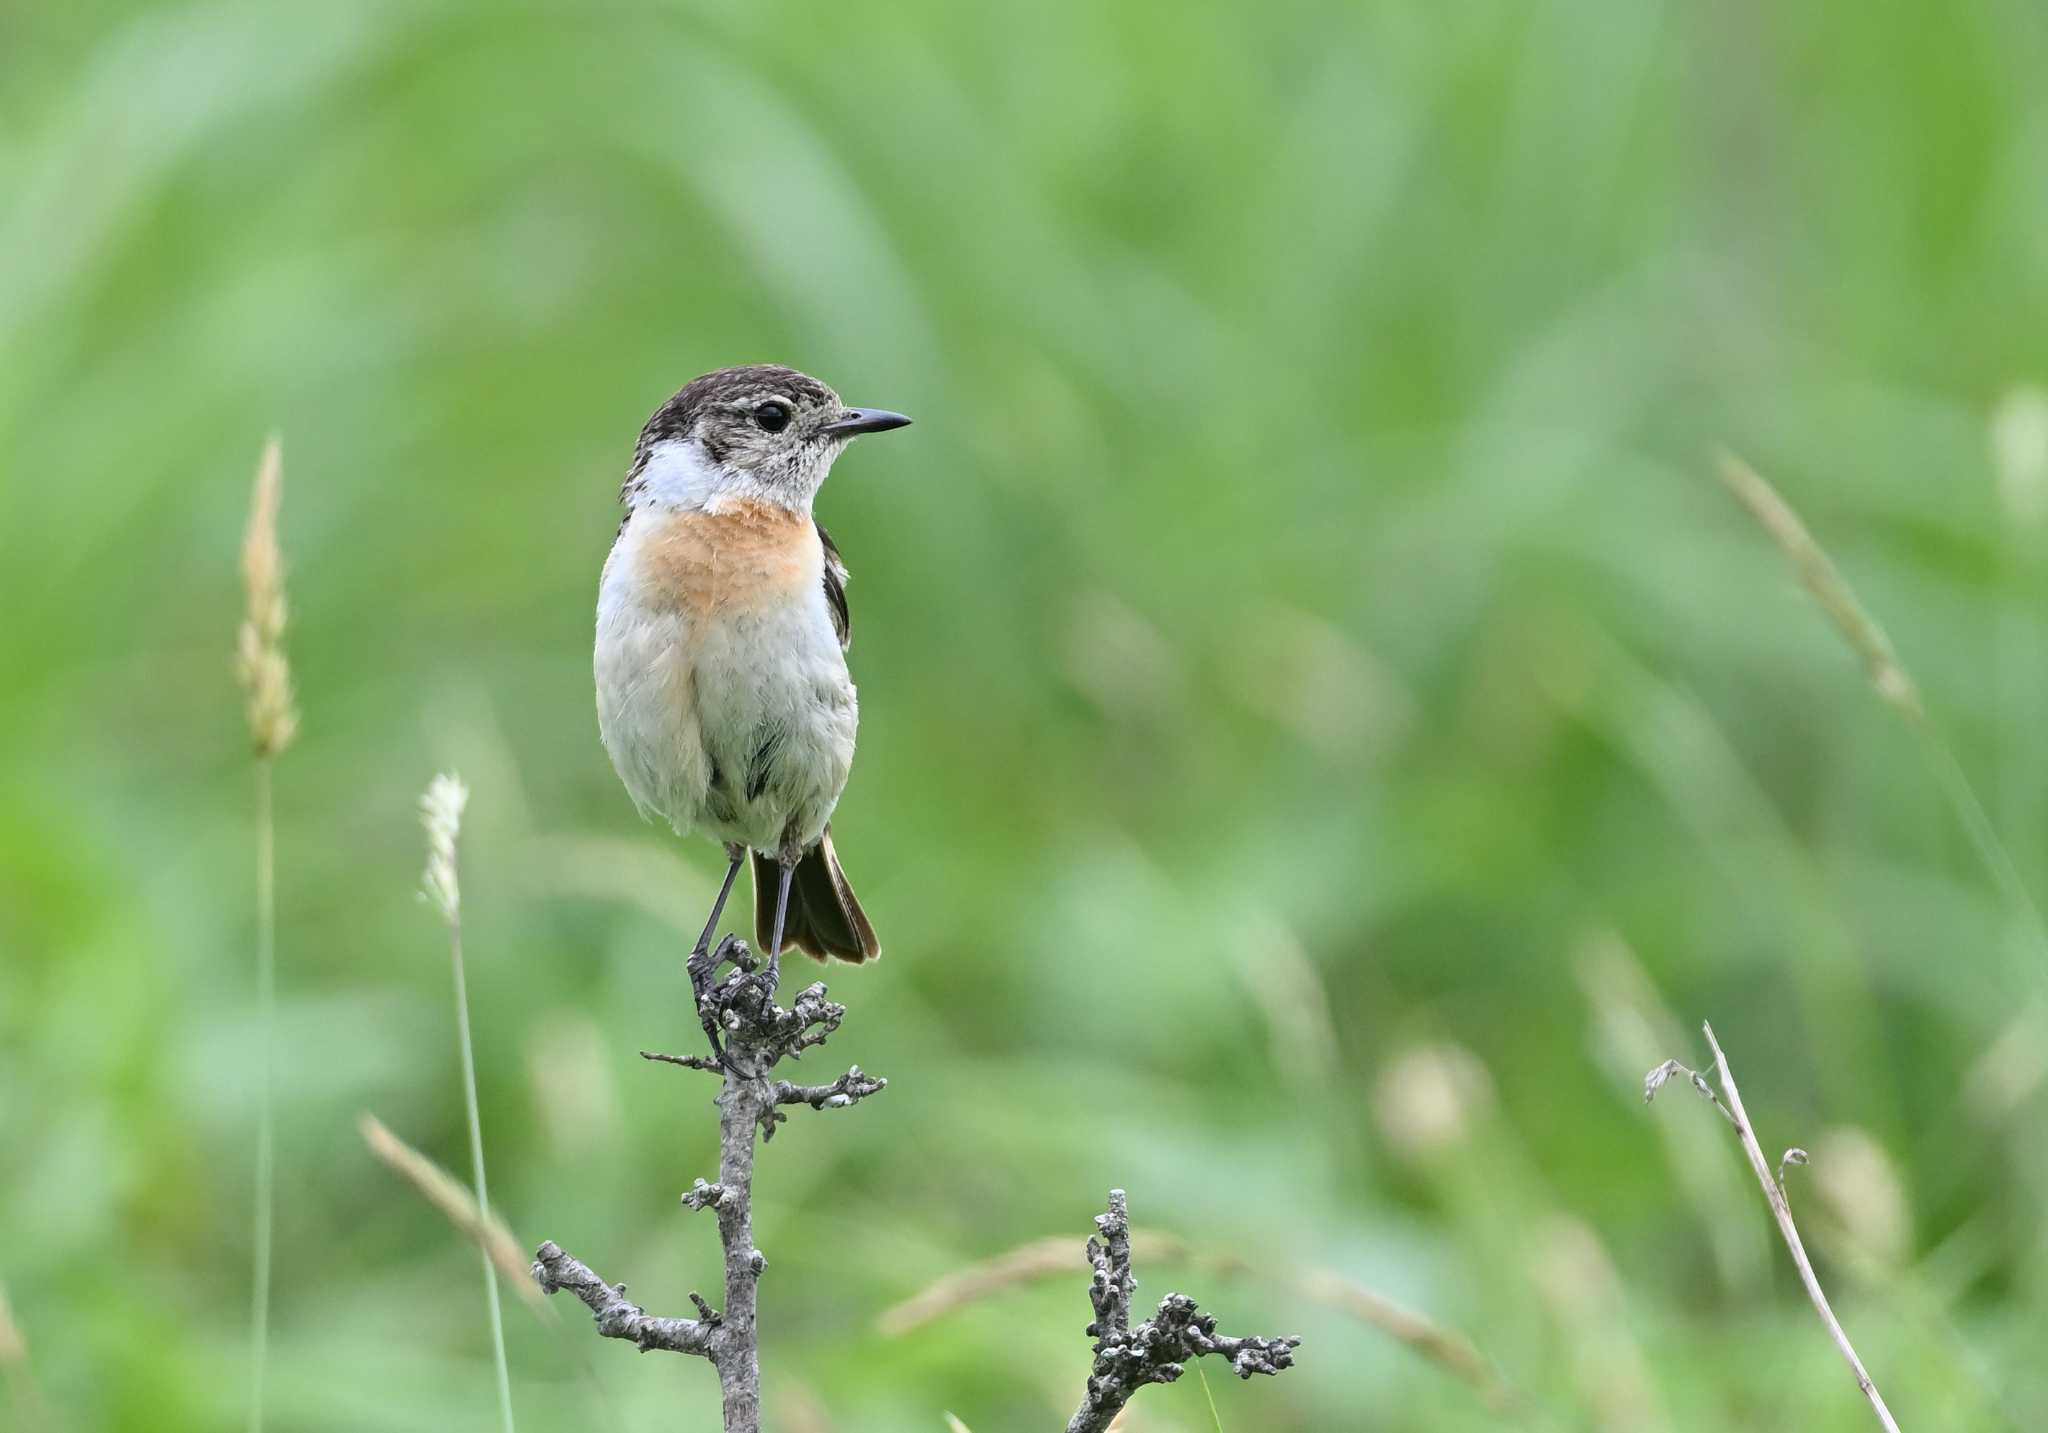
point(680, 474)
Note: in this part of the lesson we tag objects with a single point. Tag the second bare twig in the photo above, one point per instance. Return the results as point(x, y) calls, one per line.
point(1157, 1350)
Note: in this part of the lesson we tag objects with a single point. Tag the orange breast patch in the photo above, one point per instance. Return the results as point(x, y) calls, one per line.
point(746, 556)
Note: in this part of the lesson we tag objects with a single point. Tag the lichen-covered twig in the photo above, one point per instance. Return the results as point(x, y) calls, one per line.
point(556, 1271)
point(759, 1035)
point(853, 1086)
point(1156, 1351)
point(1055, 1257)
point(1774, 1193)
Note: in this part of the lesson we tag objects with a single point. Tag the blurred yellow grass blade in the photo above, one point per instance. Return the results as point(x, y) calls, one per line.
point(1060, 1257)
point(1025, 1264)
point(13, 1348)
point(1633, 1028)
point(448, 1194)
point(22, 1392)
point(1894, 685)
point(1675, 741)
point(1275, 970)
point(618, 869)
point(1577, 1281)
point(1824, 583)
point(1215, 1418)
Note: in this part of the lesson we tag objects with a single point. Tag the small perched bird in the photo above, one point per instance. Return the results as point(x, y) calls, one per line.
point(722, 627)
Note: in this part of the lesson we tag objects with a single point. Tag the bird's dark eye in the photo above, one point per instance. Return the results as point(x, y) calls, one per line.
point(772, 417)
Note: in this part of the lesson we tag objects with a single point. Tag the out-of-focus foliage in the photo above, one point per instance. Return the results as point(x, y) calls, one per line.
point(1326, 733)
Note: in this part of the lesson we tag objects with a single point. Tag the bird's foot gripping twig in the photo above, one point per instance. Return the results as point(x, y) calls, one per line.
point(702, 967)
point(1156, 1351)
point(759, 1034)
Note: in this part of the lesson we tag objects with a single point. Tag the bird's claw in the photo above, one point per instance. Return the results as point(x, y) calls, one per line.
point(702, 965)
point(769, 980)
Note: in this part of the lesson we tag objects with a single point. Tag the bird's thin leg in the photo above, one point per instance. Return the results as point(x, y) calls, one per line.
point(700, 964)
point(787, 867)
point(735, 854)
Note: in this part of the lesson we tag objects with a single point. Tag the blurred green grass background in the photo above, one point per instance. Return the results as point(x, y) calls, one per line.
point(1326, 733)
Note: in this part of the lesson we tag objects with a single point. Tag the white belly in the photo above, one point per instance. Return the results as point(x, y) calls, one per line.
point(738, 722)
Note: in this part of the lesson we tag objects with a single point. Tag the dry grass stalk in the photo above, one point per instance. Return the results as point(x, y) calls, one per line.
point(1446, 1348)
point(13, 1347)
point(447, 1194)
point(1025, 1264)
point(1828, 588)
point(1825, 584)
point(22, 1391)
point(259, 653)
point(441, 810)
point(441, 813)
point(1575, 1278)
point(1055, 1258)
point(267, 689)
point(1774, 1194)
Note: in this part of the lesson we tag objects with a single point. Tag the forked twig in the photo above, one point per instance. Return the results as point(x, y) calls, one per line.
point(1156, 1351)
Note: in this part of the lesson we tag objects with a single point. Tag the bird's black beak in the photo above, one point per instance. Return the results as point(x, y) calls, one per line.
point(865, 420)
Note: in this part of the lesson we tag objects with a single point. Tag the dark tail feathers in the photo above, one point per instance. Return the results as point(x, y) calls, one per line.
point(823, 918)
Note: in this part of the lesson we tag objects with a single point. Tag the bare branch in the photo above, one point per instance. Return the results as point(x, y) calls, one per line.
point(850, 1088)
point(554, 1270)
point(1156, 1351)
point(1774, 1194)
point(688, 1062)
point(759, 1034)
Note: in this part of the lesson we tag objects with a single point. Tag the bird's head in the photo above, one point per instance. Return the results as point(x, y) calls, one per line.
point(759, 431)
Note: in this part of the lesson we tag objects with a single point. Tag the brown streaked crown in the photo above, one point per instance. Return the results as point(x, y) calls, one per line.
point(727, 391)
